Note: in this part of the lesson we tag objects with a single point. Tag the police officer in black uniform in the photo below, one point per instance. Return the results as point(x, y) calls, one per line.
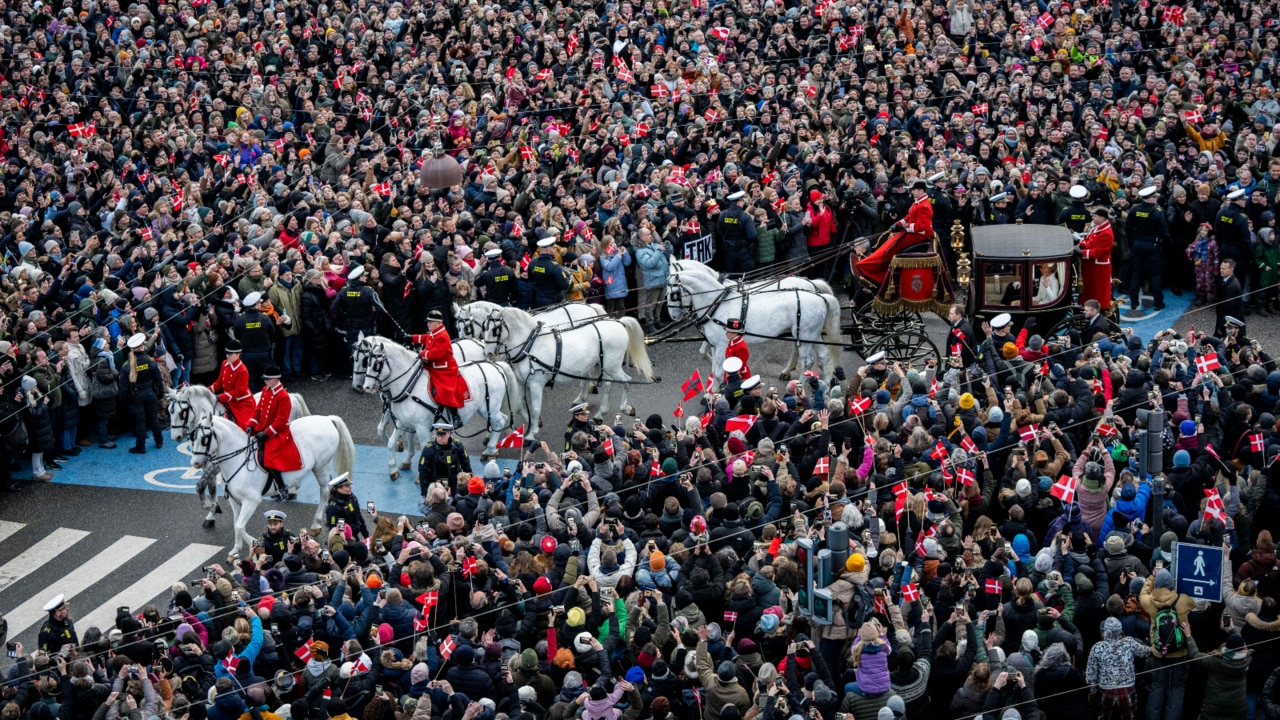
point(58, 630)
point(750, 400)
point(345, 507)
point(143, 388)
point(550, 279)
point(732, 389)
point(442, 460)
point(256, 332)
point(497, 283)
point(1075, 215)
point(942, 210)
point(355, 310)
point(277, 540)
point(1231, 229)
point(737, 230)
point(1148, 230)
point(580, 422)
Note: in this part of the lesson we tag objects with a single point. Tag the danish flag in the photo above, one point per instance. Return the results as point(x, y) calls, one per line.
point(711, 115)
point(730, 616)
point(572, 43)
point(812, 91)
point(993, 586)
point(526, 152)
point(513, 440)
point(880, 606)
point(383, 188)
point(691, 226)
point(304, 653)
point(1065, 489)
point(447, 647)
point(608, 447)
point(966, 476)
point(1107, 431)
point(968, 445)
point(655, 470)
point(1173, 14)
point(82, 129)
point(231, 662)
point(641, 129)
point(146, 233)
point(422, 621)
point(822, 467)
point(740, 422)
point(222, 160)
point(430, 599)
point(679, 411)
point(1193, 116)
point(846, 42)
point(1213, 507)
point(469, 567)
point(1103, 133)
point(1207, 362)
point(1045, 21)
point(859, 405)
point(910, 592)
point(692, 386)
point(1209, 449)
point(1256, 443)
point(720, 33)
point(543, 74)
point(362, 664)
point(899, 501)
point(659, 91)
point(939, 451)
point(1028, 432)
point(924, 535)
point(979, 109)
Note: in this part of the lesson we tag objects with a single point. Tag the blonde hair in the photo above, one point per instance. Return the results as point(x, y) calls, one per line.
point(133, 366)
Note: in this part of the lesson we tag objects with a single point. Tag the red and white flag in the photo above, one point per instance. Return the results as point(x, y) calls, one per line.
point(82, 129)
point(231, 662)
point(469, 567)
point(1193, 116)
point(543, 74)
point(1256, 443)
point(1107, 431)
point(526, 152)
point(361, 664)
point(979, 109)
point(966, 476)
point(146, 233)
point(608, 446)
point(571, 44)
point(422, 620)
point(1173, 14)
point(1207, 362)
point(447, 647)
point(1045, 21)
point(222, 160)
point(730, 616)
point(859, 405)
point(1028, 432)
point(1213, 507)
point(711, 115)
point(939, 451)
point(822, 467)
point(720, 33)
point(993, 586)
point(383, 188)
point(659, 91)
point(740, 422)
point(1065, 489)
point(910, 592)
point(429, 599)
point(968, 445)
point(304, 653)
point(514, 440)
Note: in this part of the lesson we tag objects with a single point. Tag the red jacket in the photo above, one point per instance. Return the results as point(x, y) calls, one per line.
point(272, 417)
point(822, 225)
point(918, 224)
point(738, 348)
point(447, 386)
point(232, 389)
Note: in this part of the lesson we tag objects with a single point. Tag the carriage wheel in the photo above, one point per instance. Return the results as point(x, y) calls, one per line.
point(1076, 322)
point(906, 345)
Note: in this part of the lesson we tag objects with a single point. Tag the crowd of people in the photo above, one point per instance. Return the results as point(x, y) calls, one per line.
point(184, 180)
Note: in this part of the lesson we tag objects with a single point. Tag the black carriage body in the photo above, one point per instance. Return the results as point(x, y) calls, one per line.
point(1023, 270)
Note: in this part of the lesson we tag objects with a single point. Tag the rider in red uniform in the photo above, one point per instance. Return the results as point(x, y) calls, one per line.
point(270, 424)
point(737, 346)
point(448, 388)
point(232, 387)
point(916, 227)
point(1095, 259)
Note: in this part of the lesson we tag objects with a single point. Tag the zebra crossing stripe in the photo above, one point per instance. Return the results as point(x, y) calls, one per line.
point(9, 528)
point(77, 581)
point(36, 556)
point(155, 583)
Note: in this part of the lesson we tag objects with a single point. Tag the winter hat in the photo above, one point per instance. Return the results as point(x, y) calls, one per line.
point(660, 707)
point(884, 713)
point(995, 416)
point(1182, 459)
point(1044, 561)
point(576, 617)
point(582, 643)
point(1114, 545)
point(856, 563)
point(725, 672)
point(1023, 487)
point(492, 471)
point(635, 675)
point(746, 646)
point(966, 401)
point(897, 705)
point(1164, 579)
point(1235, 641)
point(542, 585)
point(1187, 428)
point(475, 486)
point(420, 673)
point(1128, 492)
point(657, 562)
point(768, 623)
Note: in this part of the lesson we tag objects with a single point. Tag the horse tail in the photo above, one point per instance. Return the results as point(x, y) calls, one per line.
point(515, 392)
point(637, 352)
point(345, 459)
point(823, 287)
point(300, 404)
point(831, 331)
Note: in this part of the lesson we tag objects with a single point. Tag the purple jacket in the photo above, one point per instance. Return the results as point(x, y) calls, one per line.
point(873, 672)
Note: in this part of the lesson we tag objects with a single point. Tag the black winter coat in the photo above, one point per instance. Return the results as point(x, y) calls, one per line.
point(317, 326)
point(39, 426)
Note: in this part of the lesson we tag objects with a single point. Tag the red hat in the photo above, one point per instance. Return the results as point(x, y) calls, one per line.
point(815, 195)
point(541, 586)
point(475, 486)
point(548, 544)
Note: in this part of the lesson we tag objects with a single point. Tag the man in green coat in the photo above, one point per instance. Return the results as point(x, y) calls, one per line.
point(1225, 676)
point(286, 297)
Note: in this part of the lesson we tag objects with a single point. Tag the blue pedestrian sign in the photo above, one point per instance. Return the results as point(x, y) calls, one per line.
point(1197, 571)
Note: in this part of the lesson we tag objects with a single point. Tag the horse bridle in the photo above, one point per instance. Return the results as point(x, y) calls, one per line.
point(183, 416)
point(202, 444)
point(360, 359)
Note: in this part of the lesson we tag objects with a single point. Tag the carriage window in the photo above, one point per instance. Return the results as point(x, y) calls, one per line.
point(1051, 283)
point(1003, 284)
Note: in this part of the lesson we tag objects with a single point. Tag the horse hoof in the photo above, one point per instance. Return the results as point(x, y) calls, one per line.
point(395, 475)
point(631, 410)
point(399, 447)
point(315, 532)
point(208, 524)
point(657, 379)
point(539, 423)
point(404, 466)
point(595, 389)
point(785, 377)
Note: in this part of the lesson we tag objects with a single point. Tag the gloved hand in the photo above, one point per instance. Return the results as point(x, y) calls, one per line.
point(1030, 324)
point(224, 398)
point(1078, 236)
point(260, 435)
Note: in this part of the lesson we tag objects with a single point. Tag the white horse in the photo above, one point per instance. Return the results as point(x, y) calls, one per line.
point(323, 441)
point(811, 317)
point(595, 351)
point(473, 321)
point(789, 282)
point(187, 405)
point(400, 374)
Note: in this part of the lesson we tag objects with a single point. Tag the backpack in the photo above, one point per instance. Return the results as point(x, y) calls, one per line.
point(862, 606)
point(1166, 632)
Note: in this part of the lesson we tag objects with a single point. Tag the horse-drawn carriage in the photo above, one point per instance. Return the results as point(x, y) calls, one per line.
point(1024, 270)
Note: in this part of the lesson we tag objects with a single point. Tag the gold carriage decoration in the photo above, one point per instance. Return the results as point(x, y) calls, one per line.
point(916, 282)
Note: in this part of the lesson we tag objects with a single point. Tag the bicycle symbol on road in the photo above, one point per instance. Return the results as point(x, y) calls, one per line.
point(188, 472)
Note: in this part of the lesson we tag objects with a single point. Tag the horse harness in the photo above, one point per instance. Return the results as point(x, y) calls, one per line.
point(205, 441)
point(708, 315)
point(377, 360)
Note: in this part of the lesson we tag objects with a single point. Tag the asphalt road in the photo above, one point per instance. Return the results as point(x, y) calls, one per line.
point(117, 529)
